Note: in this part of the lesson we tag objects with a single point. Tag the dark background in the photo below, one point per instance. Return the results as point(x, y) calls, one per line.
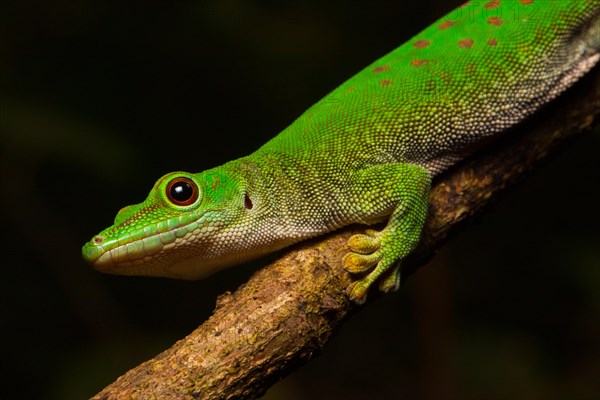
point(100, 98)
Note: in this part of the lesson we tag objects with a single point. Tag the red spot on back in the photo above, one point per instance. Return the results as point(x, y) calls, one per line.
point(491, 5)
point(466, 43)
point(381, 69)
point(492, 42)
point(419, 44)
point(497, 21)
point(386, 82)
point(526, 2)
point(350, 89)
point(446, 24)
point(418, 63)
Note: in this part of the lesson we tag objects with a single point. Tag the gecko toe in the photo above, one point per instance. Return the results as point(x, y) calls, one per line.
point(357, 291)
point(366, 243)
point(390, 282)
point(358, 263)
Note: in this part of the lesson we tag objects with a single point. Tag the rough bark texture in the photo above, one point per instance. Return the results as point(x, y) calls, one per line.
point(286, 313)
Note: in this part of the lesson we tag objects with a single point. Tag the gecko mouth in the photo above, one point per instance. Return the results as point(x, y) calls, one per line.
point(106, 255)
point(142, 246)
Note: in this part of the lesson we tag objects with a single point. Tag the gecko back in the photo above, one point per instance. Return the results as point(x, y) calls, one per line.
point(474, 73)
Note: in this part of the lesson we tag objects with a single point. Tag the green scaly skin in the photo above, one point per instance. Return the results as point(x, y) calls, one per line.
point(366, 152)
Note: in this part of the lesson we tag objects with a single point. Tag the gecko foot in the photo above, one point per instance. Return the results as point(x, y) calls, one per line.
point(365, 252)
point(390, 282)
point(366, 255)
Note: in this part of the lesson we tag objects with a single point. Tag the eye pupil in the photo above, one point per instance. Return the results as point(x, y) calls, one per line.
point(182, 191)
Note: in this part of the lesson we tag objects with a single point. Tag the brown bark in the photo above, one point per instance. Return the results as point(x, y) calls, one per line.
point(285, 314)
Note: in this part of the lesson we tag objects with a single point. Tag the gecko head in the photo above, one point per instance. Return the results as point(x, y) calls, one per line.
point(182, 230)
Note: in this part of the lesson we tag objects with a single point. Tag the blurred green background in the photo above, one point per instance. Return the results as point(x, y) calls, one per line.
point(100, 98)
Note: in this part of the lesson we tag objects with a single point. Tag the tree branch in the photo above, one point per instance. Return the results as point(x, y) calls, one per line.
point(286, 313)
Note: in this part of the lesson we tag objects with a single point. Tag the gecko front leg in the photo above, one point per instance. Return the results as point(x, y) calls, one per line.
point(401, 191)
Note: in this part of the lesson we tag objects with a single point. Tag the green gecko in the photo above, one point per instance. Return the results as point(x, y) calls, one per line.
point(366, 152)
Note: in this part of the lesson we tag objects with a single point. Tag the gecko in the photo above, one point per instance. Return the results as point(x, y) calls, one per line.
point(366, 153)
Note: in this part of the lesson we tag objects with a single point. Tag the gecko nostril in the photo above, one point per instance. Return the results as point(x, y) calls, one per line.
point(98, 239)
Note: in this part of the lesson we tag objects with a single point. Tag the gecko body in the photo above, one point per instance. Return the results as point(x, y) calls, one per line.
point(366, 152)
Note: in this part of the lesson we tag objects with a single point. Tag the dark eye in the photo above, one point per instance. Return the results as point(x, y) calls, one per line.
point(182, 191)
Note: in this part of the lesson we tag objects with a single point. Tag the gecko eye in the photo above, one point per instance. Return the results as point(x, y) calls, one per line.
point(182, 191)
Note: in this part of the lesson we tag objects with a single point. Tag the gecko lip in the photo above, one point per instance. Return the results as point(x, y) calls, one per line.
point(109, 254)
point(113, 256)
point(114, 253)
